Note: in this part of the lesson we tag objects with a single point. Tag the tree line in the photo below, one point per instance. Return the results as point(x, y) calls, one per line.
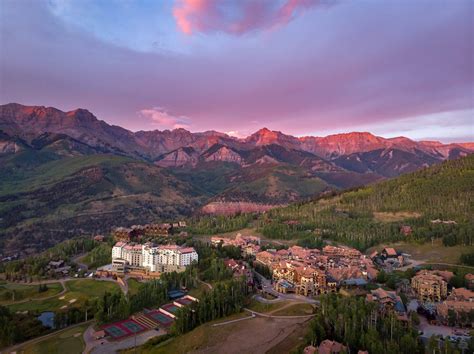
point(225, 299)
point(358, 325)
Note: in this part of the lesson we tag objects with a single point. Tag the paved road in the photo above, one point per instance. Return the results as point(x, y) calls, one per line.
point(113, 347)
point(430, 330)
point(277, 316)
point(80, 264)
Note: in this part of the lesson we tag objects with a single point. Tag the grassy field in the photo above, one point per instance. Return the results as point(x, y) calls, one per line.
point(428, 252)
point(67, 342)
point(78, 292)
point(295, 310)
point(261, 307)
point(12, 292)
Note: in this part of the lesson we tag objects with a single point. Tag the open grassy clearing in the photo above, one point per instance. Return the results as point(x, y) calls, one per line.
point(428, 252)
point(78, 292)
point(295, 310)
point(198, 291)
point(264, 308)
point(70, 342)
point(13, 292)
point(248, 232)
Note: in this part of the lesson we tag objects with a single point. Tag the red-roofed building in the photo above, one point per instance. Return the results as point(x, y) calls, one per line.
point(331, 347)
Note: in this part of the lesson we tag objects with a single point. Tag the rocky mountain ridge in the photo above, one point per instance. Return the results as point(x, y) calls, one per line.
point(28, 122)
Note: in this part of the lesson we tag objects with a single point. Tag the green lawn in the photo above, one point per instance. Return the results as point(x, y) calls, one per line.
point(78, 292)
point(428, 252)
point(67, 342)
point(295, 310)
point(261, 307)
point(12, 292)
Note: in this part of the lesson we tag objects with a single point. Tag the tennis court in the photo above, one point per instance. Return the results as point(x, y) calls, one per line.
point(114, 331)
point(160, 317)
point(133, 326)
point(171, 308)
point(175, 294)
point(122, 329)
point(184, 301)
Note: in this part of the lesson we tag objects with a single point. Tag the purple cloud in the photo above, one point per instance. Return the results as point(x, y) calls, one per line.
point(236, 17)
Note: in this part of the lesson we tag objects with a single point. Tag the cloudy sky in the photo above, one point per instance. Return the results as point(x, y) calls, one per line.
point(305, 67)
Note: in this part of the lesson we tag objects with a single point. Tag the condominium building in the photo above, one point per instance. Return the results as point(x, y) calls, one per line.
point(163, 258)
point(429, 286)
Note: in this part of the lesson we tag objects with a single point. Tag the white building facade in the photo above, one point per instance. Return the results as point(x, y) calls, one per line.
point(155, 258)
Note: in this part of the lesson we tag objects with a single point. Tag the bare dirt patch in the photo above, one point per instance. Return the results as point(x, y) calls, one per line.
point(254, 336)
point(394, 217)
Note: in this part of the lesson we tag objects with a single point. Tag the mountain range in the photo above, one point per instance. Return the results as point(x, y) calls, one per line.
point(70, 170)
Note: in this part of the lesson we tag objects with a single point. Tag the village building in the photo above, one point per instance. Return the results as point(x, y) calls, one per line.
point(461, 294)
point(240, 269)
point(389, 302)
point(249, 245)
point(389, 252)
point(429, 286)
point(470, 280)
point(406, 230)
point(99, 238)
point(331, 347)
point(137, 232)
point(459, 306)
point(310, 350)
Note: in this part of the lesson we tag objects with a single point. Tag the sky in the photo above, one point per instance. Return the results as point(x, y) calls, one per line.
point(303, 67)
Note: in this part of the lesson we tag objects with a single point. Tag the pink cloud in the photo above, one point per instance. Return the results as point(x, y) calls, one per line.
point(164, 120)
point(240, 17)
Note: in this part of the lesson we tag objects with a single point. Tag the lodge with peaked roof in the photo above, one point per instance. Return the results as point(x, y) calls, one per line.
point(389, 302)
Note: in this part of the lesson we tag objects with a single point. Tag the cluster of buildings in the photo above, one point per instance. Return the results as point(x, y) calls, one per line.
point(250, 245)
point(240, 269)
point(312, 271)
point(388, 259)
point(456, 307)
point(388, 303)
point(136, 232)
point(329, 347)
point(151, 258)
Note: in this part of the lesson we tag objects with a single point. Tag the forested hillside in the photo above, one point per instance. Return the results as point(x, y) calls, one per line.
point(435, 202)
point(45, 200)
